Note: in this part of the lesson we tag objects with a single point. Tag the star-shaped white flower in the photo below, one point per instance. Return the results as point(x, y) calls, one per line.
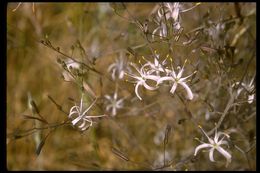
point(141, 79)
point(155, 67)
point(114, 103)
point(178, 79)
point(82, 119)
point(119, 67)
point(215, 144)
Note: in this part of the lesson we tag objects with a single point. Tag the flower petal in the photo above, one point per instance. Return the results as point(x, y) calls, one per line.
point(136, 90)
point(148, 87)
point(82, 125)
point(188, 90)
point(75, 121)
point(113, 111)
point(174, 86)
point(224, 153)
point(211, 152)
point(250, 98)
point(200, 147)
point(108, 97)
point(163, 79)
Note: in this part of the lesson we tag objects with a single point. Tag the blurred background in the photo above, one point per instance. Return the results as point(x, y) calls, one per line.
point(104, 30)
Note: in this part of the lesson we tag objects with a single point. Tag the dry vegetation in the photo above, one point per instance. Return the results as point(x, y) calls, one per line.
point(221, 40)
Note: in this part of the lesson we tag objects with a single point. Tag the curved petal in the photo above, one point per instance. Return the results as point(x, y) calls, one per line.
point(188, 90)
point(163, 79)
point(148, 87)
point(211, 153)
point(153, 77)
point(71, 113)
point(136, 90)
point(153, 34)
point(224, 153)
point(86, 127)
point(200, 147)
point(111, 66)
point(82, 125)
point(73, 107)
point(114, 74)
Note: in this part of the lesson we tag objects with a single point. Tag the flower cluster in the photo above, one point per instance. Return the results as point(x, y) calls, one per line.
point(159, 73)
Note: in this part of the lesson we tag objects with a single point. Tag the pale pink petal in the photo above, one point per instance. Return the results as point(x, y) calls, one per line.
point(200, 147)
point(211, 152)
point(188, 90)
point(148, 87)
point(136, 90)
point(163, 79)
point(174, 86)
point(224, 153)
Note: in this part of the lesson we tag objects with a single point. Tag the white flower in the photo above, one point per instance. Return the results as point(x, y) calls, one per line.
point(142, 79)
point(82, 119)
point(114, 103)
point(215, 144)
point(178, 79)
point(119, 67)
point(155, 67)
